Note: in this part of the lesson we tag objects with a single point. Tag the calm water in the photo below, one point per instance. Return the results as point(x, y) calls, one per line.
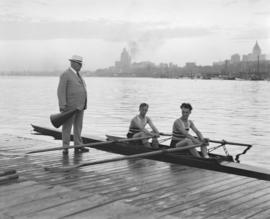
point(232, 110)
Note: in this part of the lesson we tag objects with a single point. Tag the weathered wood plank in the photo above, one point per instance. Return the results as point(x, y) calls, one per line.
point(156, 188)
point(15, 186)
point(44, 192)
point(244, 210)
point(179, 190)
point(216, 207)
point(67, 208)
point(261, 204)
point(264, 214)
point(116, 209)
point(46, 202)
point(187, 201)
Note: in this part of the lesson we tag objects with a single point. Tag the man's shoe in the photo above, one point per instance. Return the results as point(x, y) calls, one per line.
point(65, 151)
point(84, 149)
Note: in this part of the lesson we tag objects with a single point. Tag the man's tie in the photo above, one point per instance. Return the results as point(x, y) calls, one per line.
point(80, 77)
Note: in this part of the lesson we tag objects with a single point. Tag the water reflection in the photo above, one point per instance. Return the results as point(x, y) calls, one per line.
point(76, 159)
point(137, 166)
point(65, 160)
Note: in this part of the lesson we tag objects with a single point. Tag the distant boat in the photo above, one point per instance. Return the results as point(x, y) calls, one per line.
point(256, 77)
point(225, 77)
point(239, 79)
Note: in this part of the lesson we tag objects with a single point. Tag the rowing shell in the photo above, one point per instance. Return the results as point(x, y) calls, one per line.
point(216, 162)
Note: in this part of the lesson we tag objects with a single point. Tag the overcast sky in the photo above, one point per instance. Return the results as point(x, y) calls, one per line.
point(43, 34)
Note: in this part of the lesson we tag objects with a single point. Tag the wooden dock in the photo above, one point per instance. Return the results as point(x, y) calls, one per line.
point(125, 189)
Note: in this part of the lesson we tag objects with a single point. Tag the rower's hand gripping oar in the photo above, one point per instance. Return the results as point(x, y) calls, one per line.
point(89, 144)
point(142, 155)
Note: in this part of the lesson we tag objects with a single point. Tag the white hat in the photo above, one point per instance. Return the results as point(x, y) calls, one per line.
point(76, 58)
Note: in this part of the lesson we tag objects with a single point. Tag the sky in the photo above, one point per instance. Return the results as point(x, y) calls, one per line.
point(41, 35)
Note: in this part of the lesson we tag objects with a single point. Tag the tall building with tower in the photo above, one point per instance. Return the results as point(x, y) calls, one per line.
point(255, 55)
point(124, 64)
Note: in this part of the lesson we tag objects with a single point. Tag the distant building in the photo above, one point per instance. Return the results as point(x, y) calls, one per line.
point(218, 63)
point(255, 55)
point(256, 49)
point(191, 69)
point(143, 64)
point(235, 58)
point(125, 62)
point(190, 65)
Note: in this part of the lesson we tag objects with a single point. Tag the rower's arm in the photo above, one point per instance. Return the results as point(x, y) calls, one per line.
point(153, 127)
point(182, 129)
point(135, 123)
point(197, 132)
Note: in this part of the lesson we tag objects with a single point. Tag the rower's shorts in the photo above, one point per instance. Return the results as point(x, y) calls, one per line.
point(130, 135)
point(173, 143)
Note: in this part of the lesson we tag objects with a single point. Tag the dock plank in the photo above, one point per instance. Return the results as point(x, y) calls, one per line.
point(126, 189)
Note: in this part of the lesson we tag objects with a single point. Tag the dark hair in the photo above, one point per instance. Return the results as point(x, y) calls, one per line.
point(186, 105)
point(143, 105)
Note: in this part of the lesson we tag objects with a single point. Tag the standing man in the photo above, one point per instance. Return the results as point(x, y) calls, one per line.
point(72, 94)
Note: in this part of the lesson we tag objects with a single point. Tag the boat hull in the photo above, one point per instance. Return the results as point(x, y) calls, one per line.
point(216, 162)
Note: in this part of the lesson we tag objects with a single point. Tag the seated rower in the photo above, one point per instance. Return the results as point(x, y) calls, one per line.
point(137, 127)
point(181, 137)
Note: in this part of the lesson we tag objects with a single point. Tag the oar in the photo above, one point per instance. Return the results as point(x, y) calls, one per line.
point(215, 141)
point(229, 142)
point(147, 154)
point(89, 144)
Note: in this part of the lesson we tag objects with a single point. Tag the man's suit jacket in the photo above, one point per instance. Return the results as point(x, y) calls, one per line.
point(71, 91)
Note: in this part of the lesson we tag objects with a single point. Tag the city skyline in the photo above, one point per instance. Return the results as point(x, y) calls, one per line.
point(42, 35)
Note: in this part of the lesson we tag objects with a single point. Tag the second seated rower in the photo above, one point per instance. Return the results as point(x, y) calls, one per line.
point(181, 137)
point(138, 124)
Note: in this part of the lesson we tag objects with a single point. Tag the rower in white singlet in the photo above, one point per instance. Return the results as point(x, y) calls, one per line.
point(138, 125)
point(181, 136)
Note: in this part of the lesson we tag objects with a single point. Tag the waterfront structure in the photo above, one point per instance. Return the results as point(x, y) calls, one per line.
point(252, 66)
point(255, 55)
point(191, 70)
point(235, 58)
point(124, 64)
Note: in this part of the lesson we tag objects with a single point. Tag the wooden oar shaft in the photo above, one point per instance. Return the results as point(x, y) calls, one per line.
point(88, 145)
point(142, 155)
point(216, 141)
point(228, 142)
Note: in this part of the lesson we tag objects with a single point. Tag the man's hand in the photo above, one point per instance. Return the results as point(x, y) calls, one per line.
point(205, 141)
point(63, 109)
point(156, 135)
